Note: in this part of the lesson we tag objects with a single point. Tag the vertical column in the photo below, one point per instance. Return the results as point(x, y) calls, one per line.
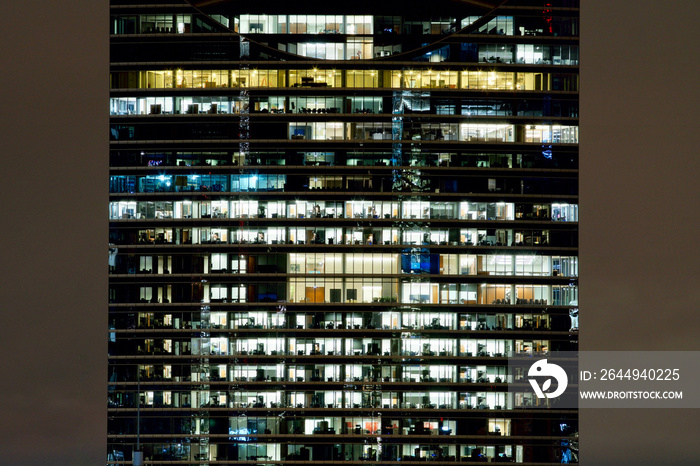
point(244, 124)
point(396, 136)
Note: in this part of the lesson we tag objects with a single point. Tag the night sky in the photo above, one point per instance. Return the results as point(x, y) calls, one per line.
point(639, 217)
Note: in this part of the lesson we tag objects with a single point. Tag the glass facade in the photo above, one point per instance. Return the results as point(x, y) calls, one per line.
point(330, 226)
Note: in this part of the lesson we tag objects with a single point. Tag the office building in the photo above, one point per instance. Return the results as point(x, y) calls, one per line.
point(332, 223)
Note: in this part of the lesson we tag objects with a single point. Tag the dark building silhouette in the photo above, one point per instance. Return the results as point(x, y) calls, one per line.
point(332, 222)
